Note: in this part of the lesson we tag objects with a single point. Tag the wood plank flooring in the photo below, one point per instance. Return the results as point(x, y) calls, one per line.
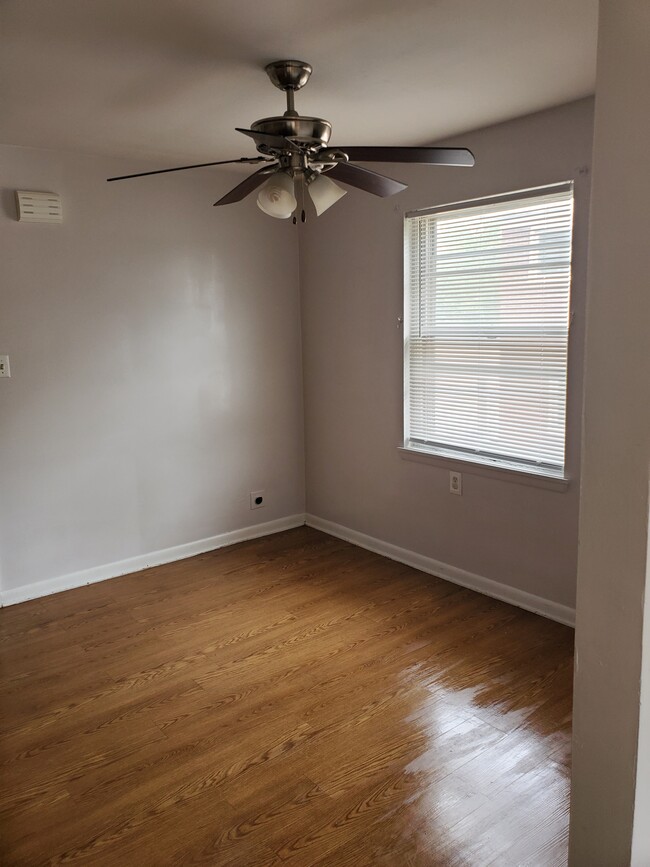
point(290, 700)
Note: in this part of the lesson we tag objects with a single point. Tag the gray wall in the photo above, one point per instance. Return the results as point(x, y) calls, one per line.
point(155, 357)
point(156, 368)
point(352, 289)
point(610, 799)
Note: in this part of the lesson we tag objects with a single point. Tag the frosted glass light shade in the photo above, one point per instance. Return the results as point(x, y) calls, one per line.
point(276, 198)
point(324, 193)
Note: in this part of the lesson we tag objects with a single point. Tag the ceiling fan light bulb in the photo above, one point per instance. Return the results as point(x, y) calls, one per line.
point(276, 198)
point(324, 193)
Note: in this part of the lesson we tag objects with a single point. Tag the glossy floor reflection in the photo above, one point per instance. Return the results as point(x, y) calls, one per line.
point(292, 699)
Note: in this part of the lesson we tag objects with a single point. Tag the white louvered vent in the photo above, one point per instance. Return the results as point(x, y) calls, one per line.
point(38, 207)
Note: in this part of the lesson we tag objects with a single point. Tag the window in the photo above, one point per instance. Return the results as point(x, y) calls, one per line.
point(487, 325)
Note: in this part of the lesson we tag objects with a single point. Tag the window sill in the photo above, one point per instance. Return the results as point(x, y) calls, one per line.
point(478, 468)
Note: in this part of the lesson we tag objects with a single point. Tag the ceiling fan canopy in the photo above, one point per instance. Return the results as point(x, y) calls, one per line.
point(297, 157)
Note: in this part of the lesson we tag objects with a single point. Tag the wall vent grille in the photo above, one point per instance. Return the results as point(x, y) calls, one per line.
point(38, 207)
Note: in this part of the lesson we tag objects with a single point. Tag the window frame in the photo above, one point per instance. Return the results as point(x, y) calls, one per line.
point(522, 472)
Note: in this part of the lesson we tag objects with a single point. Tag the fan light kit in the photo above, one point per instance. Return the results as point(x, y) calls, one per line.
point(296, 157)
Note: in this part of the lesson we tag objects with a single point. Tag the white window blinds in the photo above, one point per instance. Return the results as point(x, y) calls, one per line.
point(487, 321)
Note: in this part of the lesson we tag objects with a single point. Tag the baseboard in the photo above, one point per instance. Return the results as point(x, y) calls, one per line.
point(537, 604)
point(530, 602)
point(145, 561)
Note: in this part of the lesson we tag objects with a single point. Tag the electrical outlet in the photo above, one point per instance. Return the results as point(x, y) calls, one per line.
point(4, 365)
point(257, 499)
point(456, 483)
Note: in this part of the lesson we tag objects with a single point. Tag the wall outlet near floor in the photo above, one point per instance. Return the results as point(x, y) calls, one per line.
point(4, 365)
point(456, 483)
point(258, 499)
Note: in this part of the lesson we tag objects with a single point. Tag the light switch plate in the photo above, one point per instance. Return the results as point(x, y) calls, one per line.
point(4, 365)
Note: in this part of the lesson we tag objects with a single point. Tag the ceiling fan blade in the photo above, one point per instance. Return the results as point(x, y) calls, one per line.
point(252, 182)
point(429, 156)
point(184, 168)
point(272, 141)
point(364, 179)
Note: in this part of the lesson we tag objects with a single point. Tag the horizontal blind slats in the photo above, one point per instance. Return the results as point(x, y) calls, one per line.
point(488, 315)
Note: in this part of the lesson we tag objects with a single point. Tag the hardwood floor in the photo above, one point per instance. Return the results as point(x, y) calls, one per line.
point(292, 699)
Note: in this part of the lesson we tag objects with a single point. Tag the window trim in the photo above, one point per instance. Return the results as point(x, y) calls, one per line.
point(496, 199)
point(502, 468)
point(409, 452)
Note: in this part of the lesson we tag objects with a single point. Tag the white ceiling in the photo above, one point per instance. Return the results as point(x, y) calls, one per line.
point(170, 79)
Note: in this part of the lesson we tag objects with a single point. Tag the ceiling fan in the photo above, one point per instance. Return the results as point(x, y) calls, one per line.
point(296, 156)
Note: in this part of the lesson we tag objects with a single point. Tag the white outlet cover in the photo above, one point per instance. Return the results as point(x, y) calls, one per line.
point(255, 496)
point(4, 366)
point(456, 483)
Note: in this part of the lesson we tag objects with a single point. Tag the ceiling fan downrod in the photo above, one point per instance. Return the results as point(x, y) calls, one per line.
point(289, 76)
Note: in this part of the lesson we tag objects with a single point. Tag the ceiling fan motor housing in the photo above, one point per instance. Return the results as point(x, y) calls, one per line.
point(307, 131)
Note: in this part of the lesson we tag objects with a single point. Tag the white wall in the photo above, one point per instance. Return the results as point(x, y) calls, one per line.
point(610, 808)
point(156, 372)
point(352, 289)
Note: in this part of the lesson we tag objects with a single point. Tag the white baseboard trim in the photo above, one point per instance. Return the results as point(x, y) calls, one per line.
point(145, 561)
point(520, 598)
